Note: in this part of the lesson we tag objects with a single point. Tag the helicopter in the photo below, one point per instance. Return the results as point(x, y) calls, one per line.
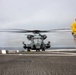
point(37, 39)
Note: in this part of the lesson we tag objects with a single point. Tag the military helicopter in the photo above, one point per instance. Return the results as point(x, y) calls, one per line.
point(37, 39)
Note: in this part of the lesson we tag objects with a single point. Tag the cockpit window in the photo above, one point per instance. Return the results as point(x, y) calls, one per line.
point(37, 39)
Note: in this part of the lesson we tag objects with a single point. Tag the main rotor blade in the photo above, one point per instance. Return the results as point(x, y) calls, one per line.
point(14, 31)
point(22, 31)
point(35, 31)
point(60, 30)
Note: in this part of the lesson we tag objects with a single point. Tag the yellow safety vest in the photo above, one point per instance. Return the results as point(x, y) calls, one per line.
point(73, 26)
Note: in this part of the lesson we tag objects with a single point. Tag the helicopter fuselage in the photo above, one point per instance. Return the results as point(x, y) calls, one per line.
point(37, 42)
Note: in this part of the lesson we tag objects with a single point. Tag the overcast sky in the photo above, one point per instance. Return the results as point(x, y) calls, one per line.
point(37, 14)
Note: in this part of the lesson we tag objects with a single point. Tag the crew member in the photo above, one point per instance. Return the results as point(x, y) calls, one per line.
point(73, 26)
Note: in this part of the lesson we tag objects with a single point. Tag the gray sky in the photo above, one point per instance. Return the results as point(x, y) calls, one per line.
point(37, 14)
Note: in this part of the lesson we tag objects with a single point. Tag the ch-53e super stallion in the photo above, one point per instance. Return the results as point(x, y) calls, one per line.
point(37, 39)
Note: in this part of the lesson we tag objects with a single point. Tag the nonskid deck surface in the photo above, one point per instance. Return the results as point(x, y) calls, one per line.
point(11, 64)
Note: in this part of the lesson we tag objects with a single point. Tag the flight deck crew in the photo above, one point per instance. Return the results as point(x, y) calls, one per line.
point(73, 27)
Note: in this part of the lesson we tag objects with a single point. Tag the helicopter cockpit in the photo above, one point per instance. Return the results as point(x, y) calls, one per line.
point(37, 39)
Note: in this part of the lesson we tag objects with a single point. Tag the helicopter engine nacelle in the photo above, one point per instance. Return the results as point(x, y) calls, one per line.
point(44, 37)
point(29, 37)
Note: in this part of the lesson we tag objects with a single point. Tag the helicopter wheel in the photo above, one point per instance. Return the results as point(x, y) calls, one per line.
point(43, 49)
point(28, 50)
point(37, 50)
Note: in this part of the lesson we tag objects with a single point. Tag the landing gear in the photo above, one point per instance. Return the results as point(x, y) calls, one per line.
point(24, 45)
point(28, 50)
point(43, 49)
point(37, 50)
